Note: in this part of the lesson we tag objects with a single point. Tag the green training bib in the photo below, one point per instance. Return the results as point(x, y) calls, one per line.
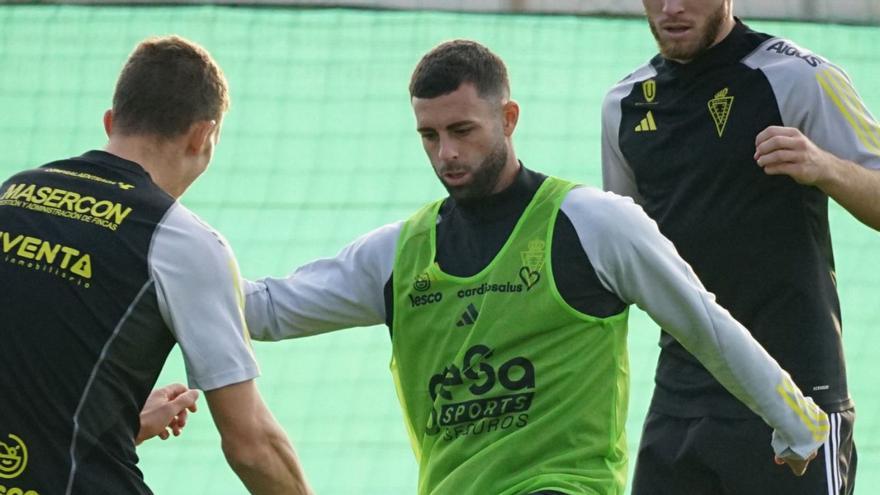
point(505, 388)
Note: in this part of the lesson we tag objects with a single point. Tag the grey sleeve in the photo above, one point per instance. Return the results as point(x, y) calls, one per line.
point(818, 98)
point(617, 176)
point(636, 262)
point(201, 300)
point(328, 294)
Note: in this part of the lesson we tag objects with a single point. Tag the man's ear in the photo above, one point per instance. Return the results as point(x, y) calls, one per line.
point(199, 136)
point(510, 113)
point(108, 122)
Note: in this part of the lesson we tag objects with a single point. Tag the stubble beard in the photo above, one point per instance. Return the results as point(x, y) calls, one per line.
point(484, 179)
point(684, 51)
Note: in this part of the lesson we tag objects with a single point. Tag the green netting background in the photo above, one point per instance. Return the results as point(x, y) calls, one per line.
point(320, 147)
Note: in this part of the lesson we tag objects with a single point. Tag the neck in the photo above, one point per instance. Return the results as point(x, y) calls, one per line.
point(726, 28)
point(723, 31)
point(509, 173)
point(500, 204)
point(157, 157)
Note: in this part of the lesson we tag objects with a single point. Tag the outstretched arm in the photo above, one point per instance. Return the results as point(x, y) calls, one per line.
point(635, 261)
point(327, 294)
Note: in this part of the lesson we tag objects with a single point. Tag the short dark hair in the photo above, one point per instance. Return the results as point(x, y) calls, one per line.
point(443, 69)
point(167, 84)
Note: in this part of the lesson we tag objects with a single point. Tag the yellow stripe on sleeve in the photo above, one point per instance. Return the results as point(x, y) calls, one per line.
point(839, 90)
point(812, 410)
point(811, 416)
point(855, 105)
point(239, 296)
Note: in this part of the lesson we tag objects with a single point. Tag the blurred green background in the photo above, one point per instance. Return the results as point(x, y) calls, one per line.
point(320, 146)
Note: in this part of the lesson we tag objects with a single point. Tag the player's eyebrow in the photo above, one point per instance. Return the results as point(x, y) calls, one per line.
point(452, 126)
point(460, 123)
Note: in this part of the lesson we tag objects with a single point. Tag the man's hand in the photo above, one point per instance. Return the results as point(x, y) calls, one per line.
point(797, 466)
point(786, 151)
point(166, 409)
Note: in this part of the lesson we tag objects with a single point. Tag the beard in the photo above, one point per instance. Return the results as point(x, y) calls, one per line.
point(484, 177)
point(685, 50)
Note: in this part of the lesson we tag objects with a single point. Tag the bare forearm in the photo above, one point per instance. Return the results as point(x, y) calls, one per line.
point(855, 188)
point(269, 466)
point(254, 444)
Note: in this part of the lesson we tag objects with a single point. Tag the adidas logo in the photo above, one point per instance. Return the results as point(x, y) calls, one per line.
point(647, 123)
point(468, 317)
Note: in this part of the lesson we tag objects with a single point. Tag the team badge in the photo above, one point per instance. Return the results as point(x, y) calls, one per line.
point(719, 108)
point(533, 261)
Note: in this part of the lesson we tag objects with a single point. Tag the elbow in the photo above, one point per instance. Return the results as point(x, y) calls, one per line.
point(249, 453)
point(241, 459)
point(267, 465)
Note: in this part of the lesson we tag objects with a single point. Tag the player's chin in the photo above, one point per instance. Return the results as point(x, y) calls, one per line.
point(463, 194)
point(679, 49)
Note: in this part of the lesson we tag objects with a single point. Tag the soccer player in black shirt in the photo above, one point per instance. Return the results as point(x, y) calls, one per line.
point(103, 272)
point(733, 140)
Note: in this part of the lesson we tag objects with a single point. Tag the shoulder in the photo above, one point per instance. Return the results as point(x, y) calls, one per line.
point(188, 243)
point(21, 175)
point(33, 174)
point(181, 222)
point(371, 254)
point(592, 210)
point(382, 239)
point(787, 61)
point(805, 84)
point(623, 87)
point(644, 72)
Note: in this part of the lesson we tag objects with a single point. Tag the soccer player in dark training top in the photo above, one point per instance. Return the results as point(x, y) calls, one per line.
point(103, 272)
point(733, 141)
point(507, 304)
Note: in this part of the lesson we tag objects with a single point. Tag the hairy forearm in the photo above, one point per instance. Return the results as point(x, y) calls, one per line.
point(855, 188)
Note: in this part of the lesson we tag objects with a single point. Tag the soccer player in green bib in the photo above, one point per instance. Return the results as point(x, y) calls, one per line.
point(507, 305)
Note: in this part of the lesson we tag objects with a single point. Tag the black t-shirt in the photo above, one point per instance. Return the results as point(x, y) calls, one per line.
point(680, 138)
point(103, 272)
point(75, 238)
